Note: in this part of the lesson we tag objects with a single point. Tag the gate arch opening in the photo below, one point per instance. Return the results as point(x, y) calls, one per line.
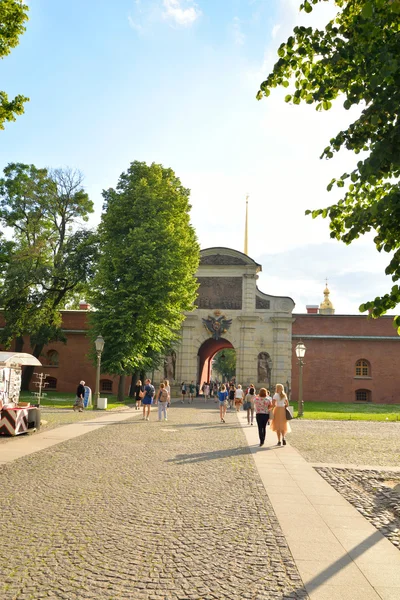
point(206, 352)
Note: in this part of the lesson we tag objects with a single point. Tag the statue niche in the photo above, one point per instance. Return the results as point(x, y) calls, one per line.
point(264, 366)
point(169, 366)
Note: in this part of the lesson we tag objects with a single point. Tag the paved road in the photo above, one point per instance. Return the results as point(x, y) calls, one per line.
point(144, 510)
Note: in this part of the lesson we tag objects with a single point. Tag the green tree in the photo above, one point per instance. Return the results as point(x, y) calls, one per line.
point(355, 58)
point(49, 259)
point(225, 363)
point(145, 280)
point(13, 14)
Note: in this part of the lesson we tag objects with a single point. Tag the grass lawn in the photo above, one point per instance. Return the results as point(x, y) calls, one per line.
point(64, 400)
point(345, 412)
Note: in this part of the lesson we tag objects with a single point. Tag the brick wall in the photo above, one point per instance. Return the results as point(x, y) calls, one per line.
point(329, 369)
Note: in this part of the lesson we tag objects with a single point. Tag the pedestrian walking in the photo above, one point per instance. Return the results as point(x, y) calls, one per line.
point(215, 391)
point(80, 395)
point(197, 390)
point(248, 404)
point(238, 397)
point(147, 401)
point(168, 388)
point(262, 405)
point(223, 402)
point(163, 399)
point(192, 391)
point(206, 391)
point(183, 391)
point(279, 423)
point(139, 393)
point(231, 395)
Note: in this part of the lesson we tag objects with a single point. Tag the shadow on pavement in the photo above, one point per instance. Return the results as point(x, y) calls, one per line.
point(181, 459)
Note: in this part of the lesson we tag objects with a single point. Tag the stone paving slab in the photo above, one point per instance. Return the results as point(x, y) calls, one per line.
point(23, 445)
point(329, 539)
point(143, 510)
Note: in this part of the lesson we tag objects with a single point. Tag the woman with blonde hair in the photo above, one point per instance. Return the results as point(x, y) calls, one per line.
point(168, 388)
point(279, 423)
point(223, 402)
point(238, 397)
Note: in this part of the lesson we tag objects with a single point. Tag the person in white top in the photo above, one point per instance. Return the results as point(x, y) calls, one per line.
point(279, 423)
point(168, 388)
point(238, 397)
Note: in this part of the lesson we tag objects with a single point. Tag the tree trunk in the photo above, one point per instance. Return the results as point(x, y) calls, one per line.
point(121, 388)
point(19, 344)
point(28, 371)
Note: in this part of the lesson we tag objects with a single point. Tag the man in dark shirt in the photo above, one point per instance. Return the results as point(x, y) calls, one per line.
point(80, 394)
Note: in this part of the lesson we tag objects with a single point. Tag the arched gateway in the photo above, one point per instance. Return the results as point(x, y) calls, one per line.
point(231, 312)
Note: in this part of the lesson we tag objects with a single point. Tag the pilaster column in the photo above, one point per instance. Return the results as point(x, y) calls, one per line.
point(282, 349)
point(246, 354)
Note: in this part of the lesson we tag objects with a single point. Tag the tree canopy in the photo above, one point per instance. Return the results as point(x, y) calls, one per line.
point(355, 58)
point(13, 14)
point(50, 257)
point(224, 363)
point(145, 279)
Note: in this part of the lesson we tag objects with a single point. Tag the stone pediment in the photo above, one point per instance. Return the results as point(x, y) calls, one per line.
point(225, 256)
point(221, 259)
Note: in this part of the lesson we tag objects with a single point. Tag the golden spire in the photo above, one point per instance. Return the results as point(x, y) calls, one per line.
point(246, 227)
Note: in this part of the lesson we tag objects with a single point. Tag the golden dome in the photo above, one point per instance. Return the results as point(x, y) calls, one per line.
point(326, 306)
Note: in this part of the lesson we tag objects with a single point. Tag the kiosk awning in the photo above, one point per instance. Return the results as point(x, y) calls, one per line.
point(18, 359)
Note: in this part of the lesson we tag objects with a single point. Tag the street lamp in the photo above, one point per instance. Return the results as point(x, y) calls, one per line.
point(300, 353)
point(99, 345)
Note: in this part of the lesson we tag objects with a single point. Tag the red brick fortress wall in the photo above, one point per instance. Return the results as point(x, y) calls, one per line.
point(334, 344)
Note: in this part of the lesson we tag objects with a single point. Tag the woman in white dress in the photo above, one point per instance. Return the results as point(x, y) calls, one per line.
point(279, 423)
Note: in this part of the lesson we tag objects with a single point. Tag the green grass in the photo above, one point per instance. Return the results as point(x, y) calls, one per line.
point(64, 400)
point(316, 411)
point(349, 412)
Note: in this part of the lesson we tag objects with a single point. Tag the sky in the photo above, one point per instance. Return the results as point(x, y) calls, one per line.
point(174, 82)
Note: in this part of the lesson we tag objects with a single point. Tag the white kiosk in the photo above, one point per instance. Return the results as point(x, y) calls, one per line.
point(16, 417)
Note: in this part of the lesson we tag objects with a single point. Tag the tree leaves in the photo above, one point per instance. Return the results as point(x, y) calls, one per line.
point(13, 14)
point(145, 278)
point(357, 57)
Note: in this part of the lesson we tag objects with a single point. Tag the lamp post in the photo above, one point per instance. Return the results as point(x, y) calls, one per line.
point(99, 345)
point(300, 353)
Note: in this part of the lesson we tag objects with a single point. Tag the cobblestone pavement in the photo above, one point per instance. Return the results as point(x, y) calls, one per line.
point(144, 510)
point(347, 442)
point(375, 494)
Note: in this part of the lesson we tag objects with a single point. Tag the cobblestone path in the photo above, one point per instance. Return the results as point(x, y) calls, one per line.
point(348, 442)
point(145, 510)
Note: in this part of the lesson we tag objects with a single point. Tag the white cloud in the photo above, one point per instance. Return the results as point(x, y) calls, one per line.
point(238, 36)
point(275, 30)
point(182, 16)
point(135, 25)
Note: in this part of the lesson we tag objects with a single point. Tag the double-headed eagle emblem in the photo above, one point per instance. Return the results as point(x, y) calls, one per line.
point(217, 326)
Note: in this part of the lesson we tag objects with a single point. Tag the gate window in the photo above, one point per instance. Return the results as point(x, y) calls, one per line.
point(51, 383)
point(52, 358)
point(363, 368)
point(106, 385)
point(363, 396)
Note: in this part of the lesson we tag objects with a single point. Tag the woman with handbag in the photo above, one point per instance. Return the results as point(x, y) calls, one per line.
point(139, 393)
point(249, 404)
point(279, 423)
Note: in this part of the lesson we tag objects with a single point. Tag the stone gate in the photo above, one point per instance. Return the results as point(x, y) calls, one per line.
point(231, 312)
